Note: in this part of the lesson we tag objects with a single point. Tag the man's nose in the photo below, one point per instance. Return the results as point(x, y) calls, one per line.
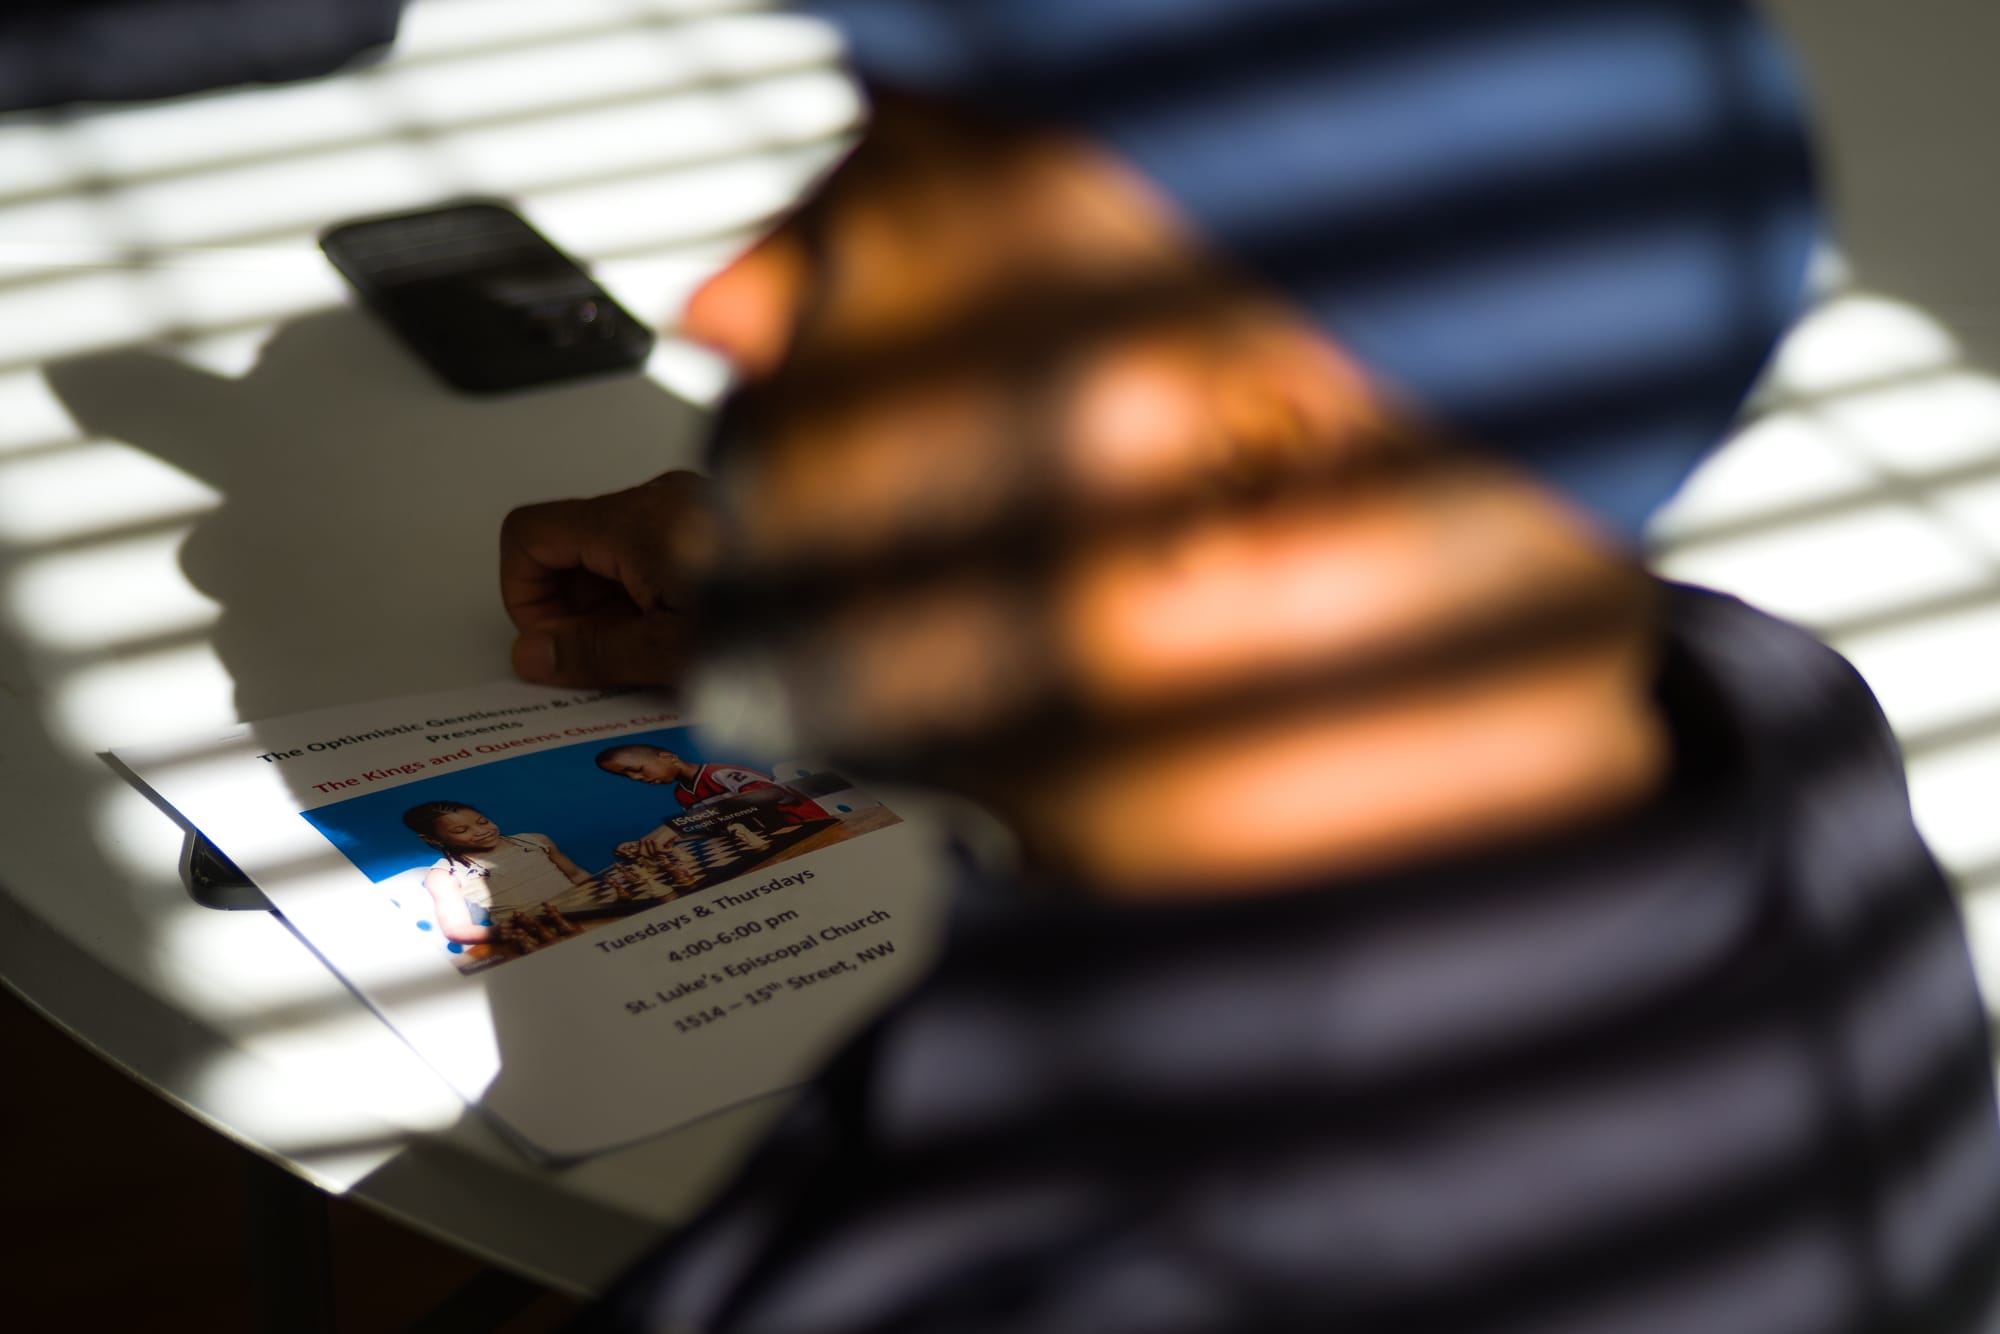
point(748, 311)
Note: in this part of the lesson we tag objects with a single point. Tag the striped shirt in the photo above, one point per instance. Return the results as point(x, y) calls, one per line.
point(1719, 1068)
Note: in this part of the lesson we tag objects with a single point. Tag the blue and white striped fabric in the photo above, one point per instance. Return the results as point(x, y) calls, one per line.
point(1720, 1068)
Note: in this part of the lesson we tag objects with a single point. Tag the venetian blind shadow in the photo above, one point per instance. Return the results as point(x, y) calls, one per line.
point(354, 551)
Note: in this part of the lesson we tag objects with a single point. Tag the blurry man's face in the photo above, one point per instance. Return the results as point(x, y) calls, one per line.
point(646, 766)
point(1031, 496)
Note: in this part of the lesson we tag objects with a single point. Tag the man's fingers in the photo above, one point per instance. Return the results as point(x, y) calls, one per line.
point(641, 547)
point(608, 650)
point(541, 548)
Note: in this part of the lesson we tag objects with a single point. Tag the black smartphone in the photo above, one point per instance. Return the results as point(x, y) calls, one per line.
point(483, 298)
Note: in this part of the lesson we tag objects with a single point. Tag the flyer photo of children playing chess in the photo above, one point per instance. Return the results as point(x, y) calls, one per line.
point(496, 861)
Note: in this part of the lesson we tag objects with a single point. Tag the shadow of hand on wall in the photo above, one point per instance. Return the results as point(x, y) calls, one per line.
point(354, 553)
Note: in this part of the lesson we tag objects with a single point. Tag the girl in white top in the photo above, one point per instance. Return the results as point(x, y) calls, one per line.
point(486, 877)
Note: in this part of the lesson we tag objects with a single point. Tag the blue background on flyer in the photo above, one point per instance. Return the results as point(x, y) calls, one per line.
point(561, 793)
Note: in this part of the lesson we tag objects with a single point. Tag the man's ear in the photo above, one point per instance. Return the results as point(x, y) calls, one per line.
point(1249, 392)
point(1280, 386)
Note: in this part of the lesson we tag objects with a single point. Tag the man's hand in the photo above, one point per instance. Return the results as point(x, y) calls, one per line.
point(601, 590)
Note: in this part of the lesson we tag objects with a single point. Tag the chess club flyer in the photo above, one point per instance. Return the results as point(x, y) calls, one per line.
point(590, 921)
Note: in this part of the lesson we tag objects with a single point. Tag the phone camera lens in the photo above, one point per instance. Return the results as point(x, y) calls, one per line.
point(570, 323)
point(590, 321)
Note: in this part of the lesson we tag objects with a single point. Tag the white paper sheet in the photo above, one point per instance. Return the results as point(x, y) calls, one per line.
point(795, 913)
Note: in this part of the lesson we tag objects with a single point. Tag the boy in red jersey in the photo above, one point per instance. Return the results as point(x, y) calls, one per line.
point(702, 787)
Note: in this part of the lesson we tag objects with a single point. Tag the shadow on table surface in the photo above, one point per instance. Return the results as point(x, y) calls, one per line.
point(354, 551)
